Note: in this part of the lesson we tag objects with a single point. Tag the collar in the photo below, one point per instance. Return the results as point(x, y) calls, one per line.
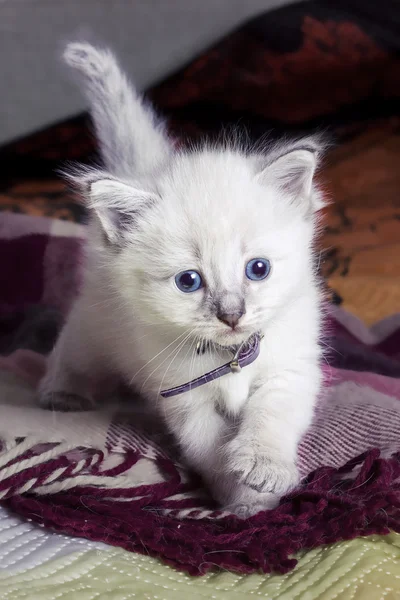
point(243, 356)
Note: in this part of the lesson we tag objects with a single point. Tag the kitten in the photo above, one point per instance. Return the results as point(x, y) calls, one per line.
point(204, 245)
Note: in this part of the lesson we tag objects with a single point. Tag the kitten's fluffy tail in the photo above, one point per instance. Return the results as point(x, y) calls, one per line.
point(132, 139)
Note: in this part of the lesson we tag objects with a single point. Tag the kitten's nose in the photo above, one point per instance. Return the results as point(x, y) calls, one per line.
point(231, 319)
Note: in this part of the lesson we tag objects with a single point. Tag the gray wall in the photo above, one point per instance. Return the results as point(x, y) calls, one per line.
point(152, 38)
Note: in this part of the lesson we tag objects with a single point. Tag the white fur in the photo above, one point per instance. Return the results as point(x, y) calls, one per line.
point(158, 211)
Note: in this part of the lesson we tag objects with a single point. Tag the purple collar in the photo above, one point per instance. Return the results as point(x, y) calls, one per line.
point(244, 355)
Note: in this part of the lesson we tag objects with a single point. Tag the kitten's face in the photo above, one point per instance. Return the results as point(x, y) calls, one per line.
point(218, 254)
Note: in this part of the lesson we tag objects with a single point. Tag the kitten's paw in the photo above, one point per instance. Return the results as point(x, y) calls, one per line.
point(257, 469)
point(245, 510)
point(65, 402)
point(238, 498)
point(244, 501)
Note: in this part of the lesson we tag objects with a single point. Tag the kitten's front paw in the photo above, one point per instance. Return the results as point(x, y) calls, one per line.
point(256, 468)
point(245, 509)
point(65, 402)
point(239, 499)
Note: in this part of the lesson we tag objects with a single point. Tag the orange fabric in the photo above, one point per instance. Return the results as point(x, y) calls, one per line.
point(362, 234)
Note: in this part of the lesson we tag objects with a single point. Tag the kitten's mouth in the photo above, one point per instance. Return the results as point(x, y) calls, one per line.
point(233, 337)
point(229, 340)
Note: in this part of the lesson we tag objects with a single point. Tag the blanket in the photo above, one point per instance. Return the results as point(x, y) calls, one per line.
point(37, 564)
point(113, 475)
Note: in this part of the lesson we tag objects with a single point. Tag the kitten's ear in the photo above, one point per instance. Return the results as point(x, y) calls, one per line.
point(292, 172)
point(118, 206)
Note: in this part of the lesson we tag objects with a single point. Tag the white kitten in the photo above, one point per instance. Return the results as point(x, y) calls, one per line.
point(158, 212)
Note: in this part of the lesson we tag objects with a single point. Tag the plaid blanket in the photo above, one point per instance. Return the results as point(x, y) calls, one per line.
point(114, 475)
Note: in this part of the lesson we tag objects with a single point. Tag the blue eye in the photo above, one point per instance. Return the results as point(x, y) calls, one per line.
point(188, 281)
point(258, 269)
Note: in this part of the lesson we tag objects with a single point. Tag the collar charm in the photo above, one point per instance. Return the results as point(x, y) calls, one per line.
point(244, 355)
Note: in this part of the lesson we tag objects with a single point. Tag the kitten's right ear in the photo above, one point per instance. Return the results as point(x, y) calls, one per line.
point(291, 168)
point(117, 206)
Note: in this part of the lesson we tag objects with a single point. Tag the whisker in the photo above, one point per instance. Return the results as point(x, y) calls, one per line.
point(157, 355)
point(172, 361)
point(181, 343)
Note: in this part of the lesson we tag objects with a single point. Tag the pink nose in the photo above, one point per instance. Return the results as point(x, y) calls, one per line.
point(230, 319)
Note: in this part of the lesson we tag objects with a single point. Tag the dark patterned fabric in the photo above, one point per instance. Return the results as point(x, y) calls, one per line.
point(332, 65)
point(320, 64)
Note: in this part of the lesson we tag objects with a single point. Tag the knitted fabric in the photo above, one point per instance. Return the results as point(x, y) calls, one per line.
point(116, 477)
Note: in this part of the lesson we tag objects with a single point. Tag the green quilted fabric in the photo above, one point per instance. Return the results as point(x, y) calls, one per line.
point(367, 569)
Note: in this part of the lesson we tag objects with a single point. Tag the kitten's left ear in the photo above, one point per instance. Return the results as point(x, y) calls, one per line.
point(118, 206)
point(292, 172)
